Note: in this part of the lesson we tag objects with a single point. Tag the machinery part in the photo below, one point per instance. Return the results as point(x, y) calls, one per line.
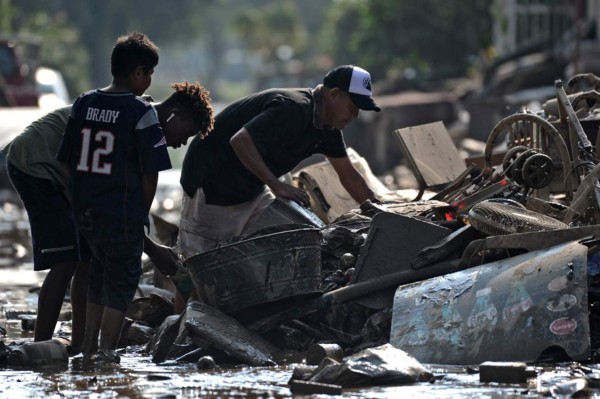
point(510, 157)
point(538, 171)
point(507, 201)
point(501, 219)
point(542, 130)
point(588, 80)
point(592, 99)
point(519, 162)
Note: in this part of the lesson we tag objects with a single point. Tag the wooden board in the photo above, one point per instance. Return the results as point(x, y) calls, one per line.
point(431, 153)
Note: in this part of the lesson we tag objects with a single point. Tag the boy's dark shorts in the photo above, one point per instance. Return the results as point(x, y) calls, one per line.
point(115, 274)
point(54, 232)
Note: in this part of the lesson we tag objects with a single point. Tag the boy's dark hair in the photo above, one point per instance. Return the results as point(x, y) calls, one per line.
point(193, 99)
point(132, 51)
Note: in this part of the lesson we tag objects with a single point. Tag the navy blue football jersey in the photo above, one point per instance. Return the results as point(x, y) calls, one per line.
point(110, 141)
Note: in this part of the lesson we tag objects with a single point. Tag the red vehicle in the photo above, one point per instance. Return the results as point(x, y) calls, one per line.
point(17, 67)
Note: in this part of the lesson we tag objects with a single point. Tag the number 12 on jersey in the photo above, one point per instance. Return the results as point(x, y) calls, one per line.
point(105, 147)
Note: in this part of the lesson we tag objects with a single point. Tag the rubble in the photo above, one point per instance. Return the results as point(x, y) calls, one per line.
point(504, 372)
point(496, 262)
point(383, 365)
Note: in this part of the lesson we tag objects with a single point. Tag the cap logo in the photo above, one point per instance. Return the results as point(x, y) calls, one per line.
point(367, 83)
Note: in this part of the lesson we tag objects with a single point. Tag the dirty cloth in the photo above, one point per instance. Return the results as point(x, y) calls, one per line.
point(203, 225)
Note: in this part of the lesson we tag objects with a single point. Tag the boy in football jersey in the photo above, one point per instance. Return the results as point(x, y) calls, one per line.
point(114, 148)
point(42, 185)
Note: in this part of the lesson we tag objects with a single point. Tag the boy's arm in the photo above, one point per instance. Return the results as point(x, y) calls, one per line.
point(149, 183)
point(163, 257)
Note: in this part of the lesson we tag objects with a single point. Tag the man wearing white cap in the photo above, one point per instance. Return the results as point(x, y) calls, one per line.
point(231, 176)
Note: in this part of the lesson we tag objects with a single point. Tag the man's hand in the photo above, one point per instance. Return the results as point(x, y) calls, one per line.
point(286, 191)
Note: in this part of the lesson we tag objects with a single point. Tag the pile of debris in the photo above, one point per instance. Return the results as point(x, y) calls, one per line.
point(506, 252)
point(500, 263)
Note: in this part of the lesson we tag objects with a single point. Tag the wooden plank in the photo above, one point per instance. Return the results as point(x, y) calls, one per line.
point(431, 152)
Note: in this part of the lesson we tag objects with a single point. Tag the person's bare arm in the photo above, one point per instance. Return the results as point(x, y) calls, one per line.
point(246, 150)
point(163, 257)
point(352, 180)
point(149, 183)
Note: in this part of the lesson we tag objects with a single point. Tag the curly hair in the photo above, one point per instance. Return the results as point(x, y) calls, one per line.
point(195, 102)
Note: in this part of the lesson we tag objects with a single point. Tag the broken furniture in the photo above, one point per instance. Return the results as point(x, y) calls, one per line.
point(432, 156)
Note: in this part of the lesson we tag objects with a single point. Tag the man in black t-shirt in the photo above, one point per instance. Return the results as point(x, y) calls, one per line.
point(231, 176)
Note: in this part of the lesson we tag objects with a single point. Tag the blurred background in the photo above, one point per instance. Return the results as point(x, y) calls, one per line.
point(464, 62)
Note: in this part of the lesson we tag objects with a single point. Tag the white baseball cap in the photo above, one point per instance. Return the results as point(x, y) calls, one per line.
point(354, 80)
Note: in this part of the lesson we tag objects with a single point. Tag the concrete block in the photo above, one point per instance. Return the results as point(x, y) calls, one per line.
point(506, 372)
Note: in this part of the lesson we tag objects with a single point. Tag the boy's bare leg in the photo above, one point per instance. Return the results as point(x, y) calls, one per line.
point(52, 295)
point(112, 324)
point(94, 316)
point(78, 305)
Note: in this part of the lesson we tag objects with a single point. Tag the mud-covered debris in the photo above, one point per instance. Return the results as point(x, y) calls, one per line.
point(139, 334)
point(377, 327)
point(339, 242)
point(317, 352)
point(259, 270)
point(289, 337)
point(314, 388)
point(575, 388)
point(507, 372)
point(227, 334)
point(28, 322)
point(33, 354)
point(383, 365)
point(152, 309)
point(206, 363)
point(164, 337)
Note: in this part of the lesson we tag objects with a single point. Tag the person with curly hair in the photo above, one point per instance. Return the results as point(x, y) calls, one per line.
point(43, 187)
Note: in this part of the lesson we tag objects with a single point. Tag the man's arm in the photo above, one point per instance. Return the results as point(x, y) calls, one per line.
point(352, 180)
point(246, 150)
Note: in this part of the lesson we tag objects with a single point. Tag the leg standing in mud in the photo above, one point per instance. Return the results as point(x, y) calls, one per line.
point(41, 183)
point(113, 148)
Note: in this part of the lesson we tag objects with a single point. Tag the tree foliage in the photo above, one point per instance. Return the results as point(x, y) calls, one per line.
point(436, 38)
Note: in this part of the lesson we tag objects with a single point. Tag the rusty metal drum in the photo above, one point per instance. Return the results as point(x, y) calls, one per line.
point(259, 270)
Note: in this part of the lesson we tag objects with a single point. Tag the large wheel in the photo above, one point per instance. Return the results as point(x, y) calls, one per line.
point(531, 131)
point(493, 219)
